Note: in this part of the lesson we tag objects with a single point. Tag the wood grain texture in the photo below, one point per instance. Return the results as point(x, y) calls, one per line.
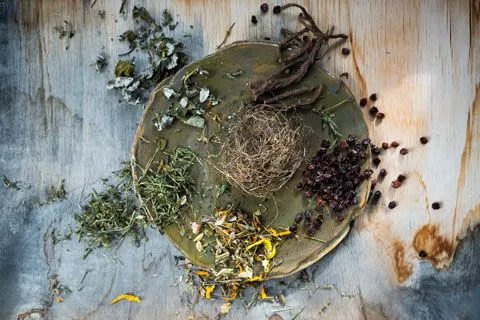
point(58, 121)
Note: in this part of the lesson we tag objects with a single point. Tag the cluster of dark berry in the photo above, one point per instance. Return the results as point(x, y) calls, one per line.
point(311, 224)
point(332, 178)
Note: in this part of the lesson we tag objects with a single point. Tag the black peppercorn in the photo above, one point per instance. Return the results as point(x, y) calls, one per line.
point(277, 9)
point(293, 228)
point(394, 144)
point(345, 51)
point(423, 140)
point(254, 20)
point(380, 115)
point(383, 173)
point(392, 204)
point(373, 111)
point(266, 38)
point(436, 205)
point(264, 7)
point(401, 177)
point(396, 184)
point(377, 195)
point(373, 97)
point(340, 218)
point(403, 151)
point(308, 215)
point(422, 254)
point(384, 146)
point(376, 161)
point(363, 102)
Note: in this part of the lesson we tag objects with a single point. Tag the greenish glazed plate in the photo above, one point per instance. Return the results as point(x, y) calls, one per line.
point(257, 60)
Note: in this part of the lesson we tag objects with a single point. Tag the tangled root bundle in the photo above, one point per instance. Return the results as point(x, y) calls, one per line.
point(263, 149)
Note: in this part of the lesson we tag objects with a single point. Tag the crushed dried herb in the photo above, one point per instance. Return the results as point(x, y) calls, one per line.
point(14, 185)
point(111, 214)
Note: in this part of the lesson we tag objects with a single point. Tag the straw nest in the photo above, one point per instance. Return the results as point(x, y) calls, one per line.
point(262, 150)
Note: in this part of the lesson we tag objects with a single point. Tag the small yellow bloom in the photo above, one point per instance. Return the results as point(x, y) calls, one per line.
point(208, 291)
point(126, 296)
point(59, 299)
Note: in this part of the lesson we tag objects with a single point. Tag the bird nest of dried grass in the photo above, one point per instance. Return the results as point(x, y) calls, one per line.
point(263, 149)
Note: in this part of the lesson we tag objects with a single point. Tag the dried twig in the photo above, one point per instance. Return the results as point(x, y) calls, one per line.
point(227, 34)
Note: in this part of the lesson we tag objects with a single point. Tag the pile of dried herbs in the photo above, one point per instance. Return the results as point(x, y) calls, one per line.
point(111, 215)
point(165, 57)
point(189, 104)
point(244, 250)
point(167, 190)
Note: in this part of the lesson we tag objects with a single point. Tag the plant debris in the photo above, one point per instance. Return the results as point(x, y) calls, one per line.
point(332, 178)
point(227, 35)
point(244, 251)
point(126, 296)
point(263, 149)
point(65, 31)
point(54, 194)
point(189, 104)
point(14, 185)
point(111, 215)
point(165, 57)
point(167, 190)
point(58, 290)
point(100, 63)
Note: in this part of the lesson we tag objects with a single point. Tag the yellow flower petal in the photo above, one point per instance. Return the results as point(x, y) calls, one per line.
point(202, 273)
point(208, 291)
point(255, 244)
point(263, 294)
point(272, 253)
point(275, 233)
point(126, 296)
point(256, 278)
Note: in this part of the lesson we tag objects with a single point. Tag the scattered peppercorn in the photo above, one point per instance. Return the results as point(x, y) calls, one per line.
point(373, 184)
point(385, 146)
point(403, 151)
point(381, 116)
point(254, 20)
point(373, 97)
point(266, 38)
point(363, 102)
point(401, 177)
point(436, 205)
point(377, 195)
point(376, 161)
point(392, 204)
point(264, 7)
point(277, 9)
point(340, 218)
point(383, 173)
point(396, 184)
point(293, 228)
point(423, 140)
point(373, 111)
point(345, 51)
point(422, 254)
point(394, 144)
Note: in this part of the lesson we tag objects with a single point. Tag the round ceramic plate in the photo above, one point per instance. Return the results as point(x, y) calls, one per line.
point(256, 60)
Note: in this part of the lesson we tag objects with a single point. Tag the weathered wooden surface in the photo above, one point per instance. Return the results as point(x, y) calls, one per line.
point(57, 121)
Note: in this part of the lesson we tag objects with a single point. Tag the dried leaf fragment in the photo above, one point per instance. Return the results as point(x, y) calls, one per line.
point(126, 296)
point(225, 308)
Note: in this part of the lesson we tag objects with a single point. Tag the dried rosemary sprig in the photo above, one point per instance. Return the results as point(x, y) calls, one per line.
point(14, 185)
point(167, 191)
point(111, 215)
point(54, 194)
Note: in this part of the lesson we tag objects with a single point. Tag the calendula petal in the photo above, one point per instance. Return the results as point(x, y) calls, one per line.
point(126, 296)
point(208, 291)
